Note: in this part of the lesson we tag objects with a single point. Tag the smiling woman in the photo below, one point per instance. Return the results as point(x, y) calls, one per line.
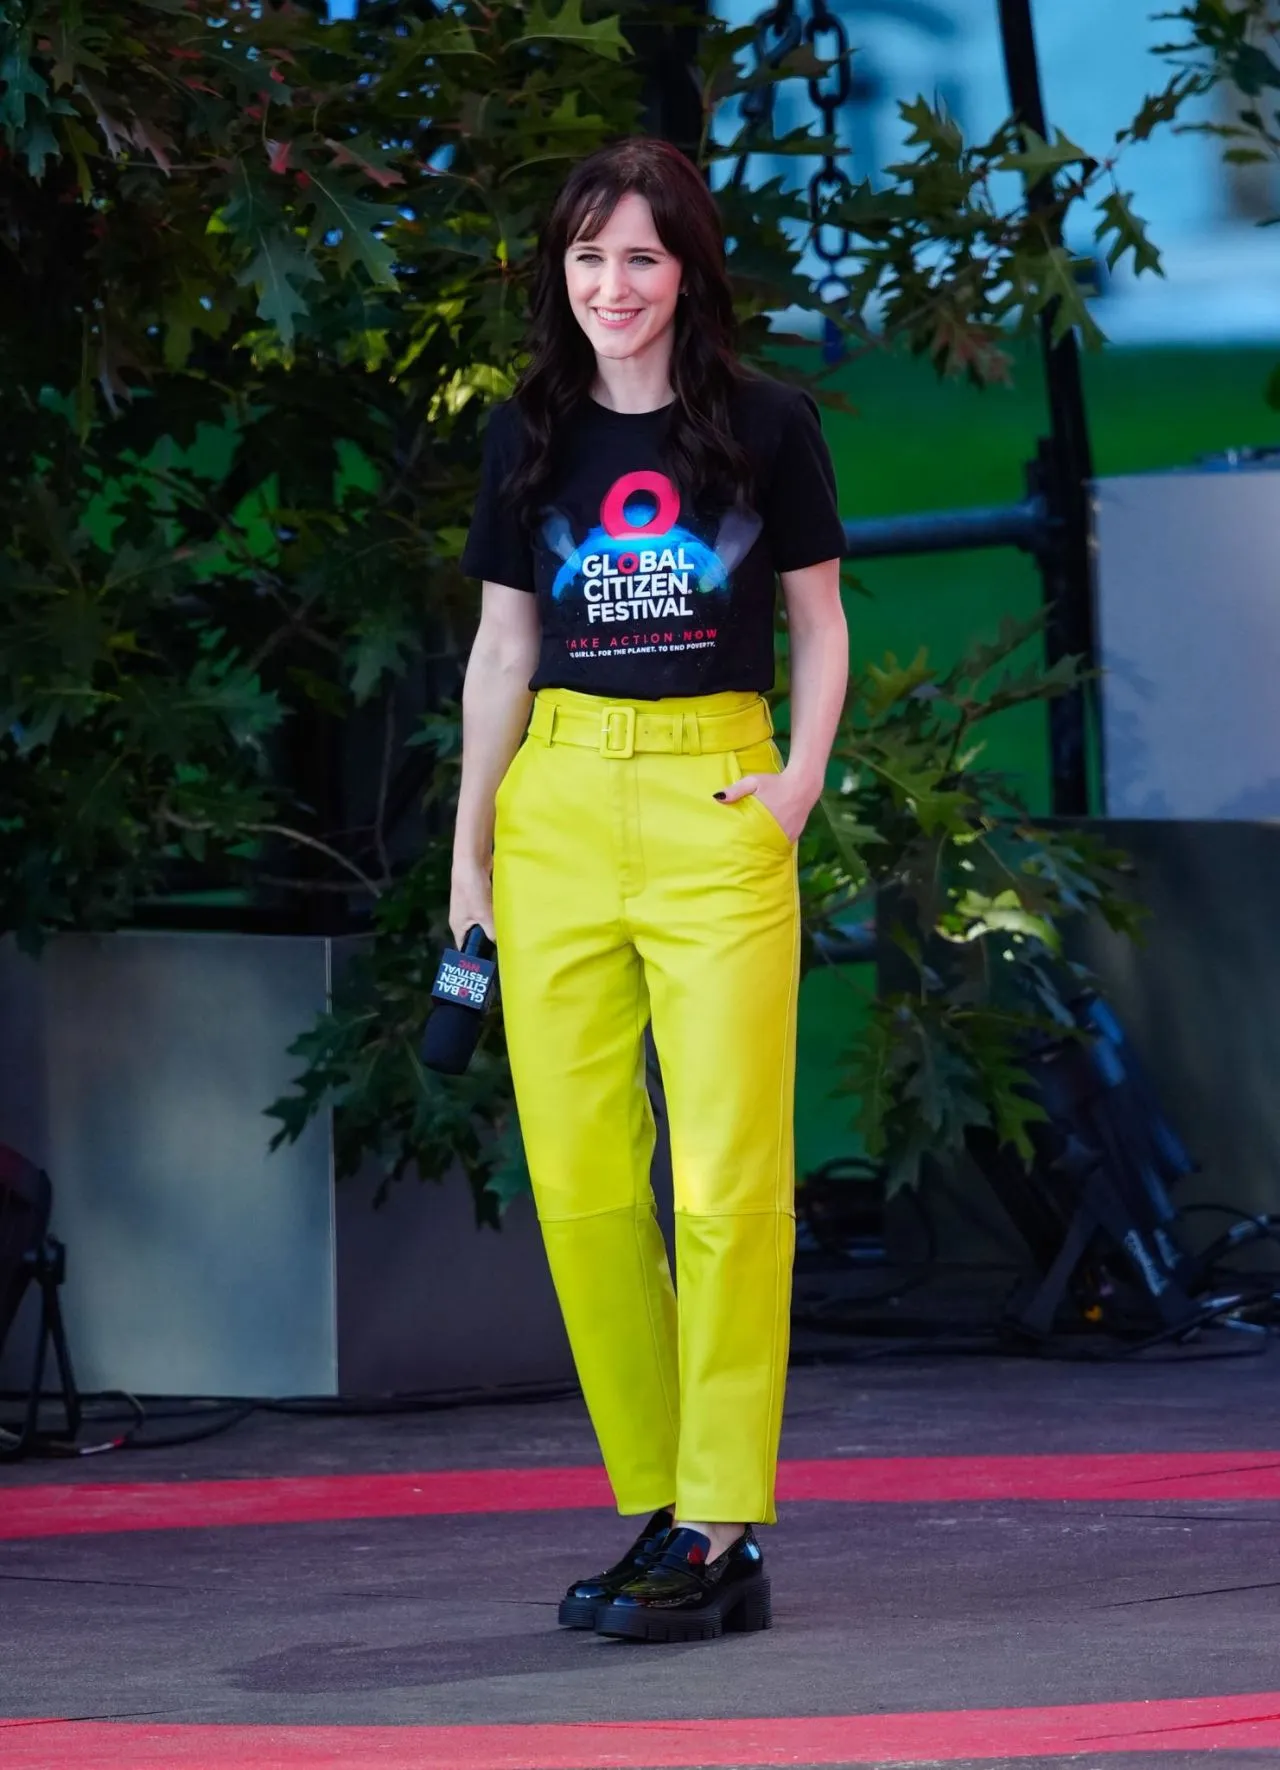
point(623, 286)
point(632, 308)
point(636, 860)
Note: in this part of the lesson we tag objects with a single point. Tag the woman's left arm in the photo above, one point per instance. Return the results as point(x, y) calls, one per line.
point(819, 683)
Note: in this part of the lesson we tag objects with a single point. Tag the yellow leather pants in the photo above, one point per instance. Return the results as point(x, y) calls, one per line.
point(624, 891)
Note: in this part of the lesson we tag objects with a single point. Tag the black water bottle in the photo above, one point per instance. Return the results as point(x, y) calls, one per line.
point(465, 988)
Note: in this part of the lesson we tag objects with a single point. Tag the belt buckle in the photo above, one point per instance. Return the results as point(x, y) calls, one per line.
point(628, 745)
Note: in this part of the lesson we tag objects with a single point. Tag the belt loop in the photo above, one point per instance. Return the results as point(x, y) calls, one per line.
point(768, 715)
point(691, 735)
point(551, 724)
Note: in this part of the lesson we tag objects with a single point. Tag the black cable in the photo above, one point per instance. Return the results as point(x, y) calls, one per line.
point(953, 1348)
point(1225, 1210)
point(423, 1401)
point(230, 1416)
point(948, 1339)
point(811, 1316)
point(1007, 1339)
point(231, 1411)
point(963, 1340)
point(49, 1444)
point(1250, 1227)
point(139, 1417)
point(871, 1300)
point(1260, 1335)
point(137, 1414)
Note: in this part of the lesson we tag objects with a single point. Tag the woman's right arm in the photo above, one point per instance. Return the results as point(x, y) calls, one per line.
point(495, 711)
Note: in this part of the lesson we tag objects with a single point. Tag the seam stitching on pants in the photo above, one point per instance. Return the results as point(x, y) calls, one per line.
point(673, 1414)
point(590, 1216)
point(715, 1216)
point(781, 1320)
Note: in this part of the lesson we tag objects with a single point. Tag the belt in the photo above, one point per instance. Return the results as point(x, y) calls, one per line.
point(620, 730)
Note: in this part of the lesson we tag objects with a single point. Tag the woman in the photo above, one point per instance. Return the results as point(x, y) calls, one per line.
point(635, 856)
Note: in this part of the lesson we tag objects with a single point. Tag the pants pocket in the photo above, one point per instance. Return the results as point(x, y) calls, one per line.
point(761, 758)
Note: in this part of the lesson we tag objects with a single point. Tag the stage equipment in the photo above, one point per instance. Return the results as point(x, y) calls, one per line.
point(466, 987)
point(840, 1215)
point(30, 1255)
point(1094, 1209)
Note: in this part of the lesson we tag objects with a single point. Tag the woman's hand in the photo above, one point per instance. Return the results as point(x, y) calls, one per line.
point(788, 797)
point(470, 901)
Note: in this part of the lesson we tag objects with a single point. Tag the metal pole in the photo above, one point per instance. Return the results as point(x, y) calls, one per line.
point(1024, 525)
point(1065, 465)
point(671, 100)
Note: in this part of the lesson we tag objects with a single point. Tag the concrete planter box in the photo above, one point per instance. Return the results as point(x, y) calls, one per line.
point(1200, 997)
point(135, 1067)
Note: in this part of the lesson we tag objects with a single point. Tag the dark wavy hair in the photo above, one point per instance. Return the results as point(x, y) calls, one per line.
point(701, 453)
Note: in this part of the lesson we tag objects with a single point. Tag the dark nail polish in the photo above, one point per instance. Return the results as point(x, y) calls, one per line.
point(717, 795)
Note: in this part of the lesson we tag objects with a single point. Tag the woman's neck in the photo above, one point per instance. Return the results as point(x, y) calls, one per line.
point(639, 385)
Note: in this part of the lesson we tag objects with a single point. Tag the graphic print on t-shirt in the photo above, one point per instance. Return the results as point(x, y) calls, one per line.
point(640, 580)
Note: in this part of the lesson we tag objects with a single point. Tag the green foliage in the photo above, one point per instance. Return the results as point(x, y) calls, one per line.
point(1231, 43)
point(262, 277)
point(957, 264)
point(136, 728)
point(972, 895)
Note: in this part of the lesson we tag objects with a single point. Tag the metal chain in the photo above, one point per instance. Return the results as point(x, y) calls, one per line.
point(757, 104)
point(828, 94)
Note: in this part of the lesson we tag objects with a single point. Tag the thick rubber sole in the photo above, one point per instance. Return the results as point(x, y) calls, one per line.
point(743, 1610)
point(579, 1613)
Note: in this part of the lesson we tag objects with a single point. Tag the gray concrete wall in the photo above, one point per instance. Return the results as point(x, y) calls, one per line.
point(135, 1068)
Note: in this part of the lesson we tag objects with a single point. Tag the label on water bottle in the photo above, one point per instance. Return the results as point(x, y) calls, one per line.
point(464, 980)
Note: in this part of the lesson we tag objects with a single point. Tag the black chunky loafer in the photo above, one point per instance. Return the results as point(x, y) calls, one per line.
point(581, 1603)
point(684, 1597)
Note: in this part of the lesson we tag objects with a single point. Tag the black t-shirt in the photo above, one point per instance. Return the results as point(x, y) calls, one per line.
point(638, 597)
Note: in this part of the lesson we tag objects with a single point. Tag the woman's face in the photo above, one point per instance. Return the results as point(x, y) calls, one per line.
point(623, 284)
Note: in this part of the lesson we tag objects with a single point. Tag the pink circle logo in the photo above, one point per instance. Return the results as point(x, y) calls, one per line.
point(655, 485)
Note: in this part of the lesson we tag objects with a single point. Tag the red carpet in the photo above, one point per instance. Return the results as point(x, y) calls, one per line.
point(78, 1509)
point(1213, 1723)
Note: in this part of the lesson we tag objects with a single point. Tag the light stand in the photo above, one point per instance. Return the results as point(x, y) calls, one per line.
point(30, 1255)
